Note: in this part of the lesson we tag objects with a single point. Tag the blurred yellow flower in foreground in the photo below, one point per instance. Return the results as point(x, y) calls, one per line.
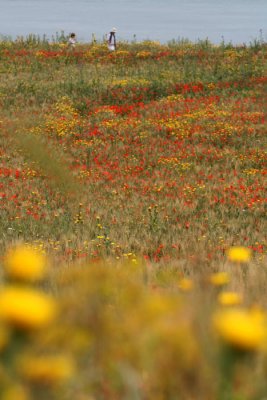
point(26, 308)
point(15, 392)
point(186, 284)
point(46, 369)
point(239, 254)
point(219, 278)
point(25, 263)
point(241, 329)
point(230, 298)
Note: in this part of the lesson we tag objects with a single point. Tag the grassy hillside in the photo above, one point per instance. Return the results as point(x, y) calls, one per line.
point(141, 174)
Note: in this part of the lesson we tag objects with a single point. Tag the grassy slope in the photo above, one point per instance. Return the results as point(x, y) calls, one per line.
point(173, 175)
point(156, 153)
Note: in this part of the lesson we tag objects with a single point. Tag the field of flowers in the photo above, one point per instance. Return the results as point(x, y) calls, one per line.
point(133, 221)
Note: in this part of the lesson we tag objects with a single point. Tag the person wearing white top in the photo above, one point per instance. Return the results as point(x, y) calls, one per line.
point(72, 41)
point(112, 44)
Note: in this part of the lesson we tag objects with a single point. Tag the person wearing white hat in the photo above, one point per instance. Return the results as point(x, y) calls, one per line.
point(72, 41)
point(112, 44)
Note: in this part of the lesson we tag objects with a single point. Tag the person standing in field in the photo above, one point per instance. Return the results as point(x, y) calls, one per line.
point(72, 41)
point(112, 44)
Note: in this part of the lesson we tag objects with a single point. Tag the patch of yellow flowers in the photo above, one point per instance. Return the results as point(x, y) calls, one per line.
point(120, 316)
point(24, 312)
point(21, 306)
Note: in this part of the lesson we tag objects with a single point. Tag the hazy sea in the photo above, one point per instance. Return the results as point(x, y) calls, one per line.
point(236, 21)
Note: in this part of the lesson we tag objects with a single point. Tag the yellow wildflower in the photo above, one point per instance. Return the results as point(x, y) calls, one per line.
point(25, 263)
point(219, 278)
point(241, 329)
point(186, 284)
point(239, 254)
point(26, 308)
point(230, 298)
point(46, 369)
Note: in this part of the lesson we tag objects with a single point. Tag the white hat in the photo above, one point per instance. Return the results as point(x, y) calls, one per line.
point(114, 30)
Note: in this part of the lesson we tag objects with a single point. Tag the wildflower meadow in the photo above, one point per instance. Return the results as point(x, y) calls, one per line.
point(133, 220)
